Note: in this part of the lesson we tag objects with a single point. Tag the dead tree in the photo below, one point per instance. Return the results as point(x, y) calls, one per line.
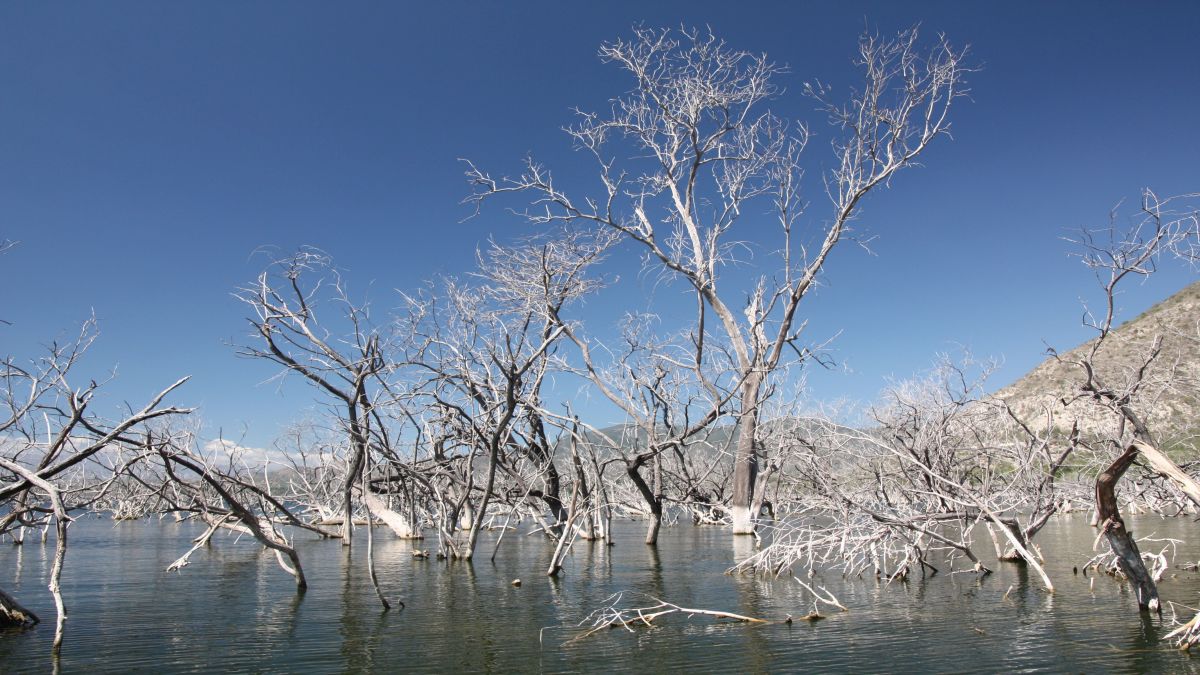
point(670, 393)
point(214, 484)
point(1118, 254)
point(57, 455)
point(313, 464)
point(904, 493)
point(348, 366)
point(536, 279)
point(691, 149)
point(479, 355)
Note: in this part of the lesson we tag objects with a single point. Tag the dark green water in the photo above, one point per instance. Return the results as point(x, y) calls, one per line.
point(234, 610)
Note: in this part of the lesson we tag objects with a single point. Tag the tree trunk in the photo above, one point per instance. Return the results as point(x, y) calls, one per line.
point(1011, 554)
point(399, 524)
point(654, 524)
point(745, 469)
point(761, 490)
point(550, 497)
point(477, 523)
point(652, 498)
point(551, 494)
point(560, 551)
point(1129, 558)
point(359, 446)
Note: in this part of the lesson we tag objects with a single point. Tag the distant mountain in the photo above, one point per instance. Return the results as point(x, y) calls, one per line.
point(1170, 399)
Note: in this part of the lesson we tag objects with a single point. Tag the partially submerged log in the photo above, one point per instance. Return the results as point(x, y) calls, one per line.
point(241, 516)
point(614, 616)
point(828, 598)
point(397, 522)
point(338, 520)
point(12, 614)
point(199, 542)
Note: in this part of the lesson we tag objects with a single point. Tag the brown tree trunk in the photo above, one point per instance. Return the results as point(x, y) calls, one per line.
point(552, 488)
point(1010, 553)
point(1129, 558)
point(552, 500)
point(653, 500)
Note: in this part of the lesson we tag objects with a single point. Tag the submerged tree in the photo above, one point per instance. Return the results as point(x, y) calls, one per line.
point(907, 489)
point(478, 357)
point(691, 151)
point(59, 455)
point(342, 354)
point(1118, 254)
point(670, 400)
point(218, 486)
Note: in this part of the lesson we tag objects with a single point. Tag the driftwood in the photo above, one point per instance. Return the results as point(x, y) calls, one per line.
point(200, 542)
point(828, 598)
point(614, 616)
point(1187, 635)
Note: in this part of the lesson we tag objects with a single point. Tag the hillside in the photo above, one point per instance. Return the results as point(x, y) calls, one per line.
point(1170, 398)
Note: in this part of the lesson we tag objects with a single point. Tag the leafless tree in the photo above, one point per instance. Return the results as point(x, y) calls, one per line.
point(670, 396)
point(536, 279)
point(224, 491)
point(911, 487)
point(481, 354)
point(290, 329)
point(1119, 253)
point(57, 450)
point(691, 150)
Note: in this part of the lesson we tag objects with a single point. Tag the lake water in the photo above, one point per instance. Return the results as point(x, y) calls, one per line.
point(234, 610)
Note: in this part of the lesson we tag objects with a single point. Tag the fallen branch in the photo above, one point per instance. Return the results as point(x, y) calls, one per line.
point(613, 616)
point(829, 599)
point(197, 544)
point(1188, 634)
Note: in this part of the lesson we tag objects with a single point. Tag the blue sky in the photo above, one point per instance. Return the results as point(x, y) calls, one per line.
point(147, 149)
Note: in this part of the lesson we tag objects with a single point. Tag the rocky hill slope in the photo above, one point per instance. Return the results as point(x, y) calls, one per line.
point(1169, 397)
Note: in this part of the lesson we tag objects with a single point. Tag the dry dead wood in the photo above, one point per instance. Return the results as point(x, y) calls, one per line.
point(613, 615)
point(1112, 527)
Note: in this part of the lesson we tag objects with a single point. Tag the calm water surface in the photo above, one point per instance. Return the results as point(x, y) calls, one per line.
point(234, 610)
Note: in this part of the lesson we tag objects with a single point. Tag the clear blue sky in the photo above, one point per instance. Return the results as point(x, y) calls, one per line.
point(146, 149)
